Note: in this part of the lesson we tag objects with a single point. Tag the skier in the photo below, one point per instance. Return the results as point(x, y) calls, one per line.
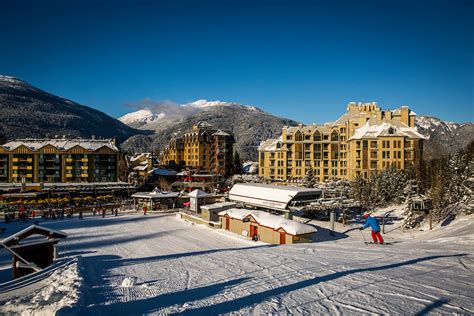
point(372, 222)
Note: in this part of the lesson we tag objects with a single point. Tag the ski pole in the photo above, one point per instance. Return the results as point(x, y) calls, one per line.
point(365, 241)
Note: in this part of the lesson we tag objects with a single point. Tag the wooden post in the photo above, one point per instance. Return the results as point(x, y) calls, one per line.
point(431, 220)
point(331, 218)
point(55, 252)
point(383, 224)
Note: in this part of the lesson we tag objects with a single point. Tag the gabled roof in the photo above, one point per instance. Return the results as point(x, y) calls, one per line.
point(269, 220)
point(203, 124)
point(272, 145)
point(155, 194)
point(32, 230)
point(197, 194)
point(220, 133)
point(61, 144)
point(371, 130)
point(139, 156)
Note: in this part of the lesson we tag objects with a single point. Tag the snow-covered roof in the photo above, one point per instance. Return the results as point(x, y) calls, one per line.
point(267, 195)
point(155, 194)
point(220, 133)
point(140, 167)
point(272, 145)
point(218, 205)
point(197, 194)
point(371, 130)
point(139, 156)
point(61, 144)
point(250, 167)
point(269, 220)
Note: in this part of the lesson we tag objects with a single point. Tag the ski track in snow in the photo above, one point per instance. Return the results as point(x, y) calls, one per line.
point(177, 267)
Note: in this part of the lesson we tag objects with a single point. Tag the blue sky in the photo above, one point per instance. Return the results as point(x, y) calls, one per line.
point(298, 59)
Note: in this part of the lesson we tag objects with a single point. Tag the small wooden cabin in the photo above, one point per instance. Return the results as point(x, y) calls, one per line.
point(33, 255)
point(266, 227)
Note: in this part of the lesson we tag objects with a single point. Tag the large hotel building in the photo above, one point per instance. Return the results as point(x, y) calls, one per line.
point(363, 140)
point(204, 148)
point(59, 161)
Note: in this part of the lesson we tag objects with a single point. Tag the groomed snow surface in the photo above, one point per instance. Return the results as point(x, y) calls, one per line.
point(158, 264)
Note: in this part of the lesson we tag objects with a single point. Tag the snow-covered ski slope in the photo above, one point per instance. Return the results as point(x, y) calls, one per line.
point(160, 264)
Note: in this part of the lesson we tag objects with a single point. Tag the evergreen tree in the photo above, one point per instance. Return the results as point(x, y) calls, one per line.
point(309, 181)
point(237, 163)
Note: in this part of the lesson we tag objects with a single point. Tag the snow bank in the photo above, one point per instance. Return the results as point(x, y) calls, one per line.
point(61, 289)
point(129, 282)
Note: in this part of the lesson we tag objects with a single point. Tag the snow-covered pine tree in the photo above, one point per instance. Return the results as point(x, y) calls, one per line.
point(309, 181)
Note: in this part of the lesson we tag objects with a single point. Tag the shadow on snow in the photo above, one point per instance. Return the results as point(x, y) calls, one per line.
point(253, 299)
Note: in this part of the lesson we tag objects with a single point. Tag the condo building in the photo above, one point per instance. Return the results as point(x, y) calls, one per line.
point(59, 160)
point(204, 148)
point(364, 140)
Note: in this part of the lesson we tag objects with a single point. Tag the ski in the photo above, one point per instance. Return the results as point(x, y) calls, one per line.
point(384, 244)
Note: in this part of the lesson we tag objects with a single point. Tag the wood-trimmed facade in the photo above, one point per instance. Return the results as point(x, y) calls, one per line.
point(85, 160)
point(249, 226)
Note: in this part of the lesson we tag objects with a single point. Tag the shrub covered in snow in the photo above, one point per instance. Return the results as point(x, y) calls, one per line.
point(243, 178)
point(382, 188)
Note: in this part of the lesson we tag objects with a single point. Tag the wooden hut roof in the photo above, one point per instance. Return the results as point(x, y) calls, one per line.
point(32, 230)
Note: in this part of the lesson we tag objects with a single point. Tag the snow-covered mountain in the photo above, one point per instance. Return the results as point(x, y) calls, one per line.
point(203, 103)
point(140, 118)
point(249, 125)
point(443, 137)
point(427, 124)
point(157, 115)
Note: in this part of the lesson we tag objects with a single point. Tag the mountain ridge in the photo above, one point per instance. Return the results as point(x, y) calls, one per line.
point(443, 137)
point(27, 111)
